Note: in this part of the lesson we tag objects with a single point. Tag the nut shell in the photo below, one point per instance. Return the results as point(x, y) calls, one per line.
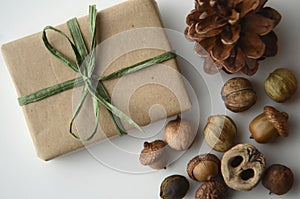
point(278, 179)
point(281, 85)
point(278, 120)
point(242, 167)
point(179, 134)
point(215, 189)
point(174, 187)
point(153, 154)
point(220, 132)
point(238, 94)
point(204, 167)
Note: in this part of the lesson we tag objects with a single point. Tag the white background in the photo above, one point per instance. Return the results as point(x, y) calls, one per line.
point(79, 175)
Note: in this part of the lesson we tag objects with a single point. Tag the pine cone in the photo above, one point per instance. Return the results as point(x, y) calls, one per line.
point(233, 34)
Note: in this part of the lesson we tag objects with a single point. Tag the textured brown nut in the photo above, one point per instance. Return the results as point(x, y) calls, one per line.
point(215, 189)
point(179, 134)
point(238, 94)
point(242, 167)
point(204, 167)
point(220, 132)
point(271, 123)
point(174, 187)
point(281, 85)
point(278, 179)
point(153, 154)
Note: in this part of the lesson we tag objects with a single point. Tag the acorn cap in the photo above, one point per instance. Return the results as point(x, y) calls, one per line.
point(151, 152)
point(196, 160)
point(278, 120)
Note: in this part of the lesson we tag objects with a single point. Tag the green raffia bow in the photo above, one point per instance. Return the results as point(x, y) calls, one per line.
point(84, 66)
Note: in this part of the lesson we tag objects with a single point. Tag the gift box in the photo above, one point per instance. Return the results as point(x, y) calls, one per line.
point(126, 34)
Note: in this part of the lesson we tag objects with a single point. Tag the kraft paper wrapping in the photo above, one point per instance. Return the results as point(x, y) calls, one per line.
point(127, 33)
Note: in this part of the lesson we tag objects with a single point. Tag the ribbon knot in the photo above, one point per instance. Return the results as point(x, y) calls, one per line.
point(85, 78)
point(84, 67)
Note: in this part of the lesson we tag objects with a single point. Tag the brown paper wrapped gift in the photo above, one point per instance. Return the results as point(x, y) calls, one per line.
point(127, 33)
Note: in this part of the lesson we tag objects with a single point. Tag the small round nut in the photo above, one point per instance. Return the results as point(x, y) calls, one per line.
point(204, 167)
point(179, 134)
point(220, 132)
point(153, 154)
point(215, 189)
point(242, 167)
point(281, 85)
point(238, 94)
point(271, 123)
point(174, 187)
point(278, 179)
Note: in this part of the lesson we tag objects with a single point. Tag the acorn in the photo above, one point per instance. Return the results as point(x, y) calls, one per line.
point(154, 155)
point(268, 125)
point(204, 167)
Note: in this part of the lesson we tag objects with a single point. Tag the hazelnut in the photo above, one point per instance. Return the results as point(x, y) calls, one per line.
point(271, 123)
point(179, 134)
point(278, 179)
point(220, 132)
point(153, 154)
point(204, 167)
point(238, 94)
point(281, 85)
point(174, 187)
point(215, 189)
point(242, 167)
